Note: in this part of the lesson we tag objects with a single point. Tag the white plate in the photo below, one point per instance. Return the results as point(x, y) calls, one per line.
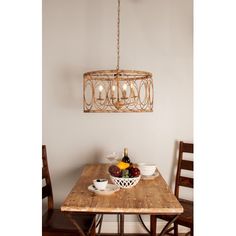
point(149, 177)
point(110, 189)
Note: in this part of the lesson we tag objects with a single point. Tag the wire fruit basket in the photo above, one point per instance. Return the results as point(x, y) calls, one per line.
point(125, 182)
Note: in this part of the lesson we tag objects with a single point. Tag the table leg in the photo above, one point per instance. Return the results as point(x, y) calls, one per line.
point(121, 225)
point(153, 226)
point(100, 225)
point(93, 229)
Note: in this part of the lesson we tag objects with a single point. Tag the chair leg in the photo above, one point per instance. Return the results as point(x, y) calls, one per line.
point(175, 229)
point(191, 232)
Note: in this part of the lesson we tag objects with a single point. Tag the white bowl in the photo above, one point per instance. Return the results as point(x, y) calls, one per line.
point(100, 184)
point(147, 169)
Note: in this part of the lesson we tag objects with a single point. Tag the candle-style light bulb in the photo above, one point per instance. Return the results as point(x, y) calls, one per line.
point(124, 90)
point(124, 87)
point(100, 88)
point(113, 88)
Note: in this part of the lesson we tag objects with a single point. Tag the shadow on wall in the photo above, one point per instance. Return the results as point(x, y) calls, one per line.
point(66, 175)
point(95, 155)
point(64, 179)
point(174, 165)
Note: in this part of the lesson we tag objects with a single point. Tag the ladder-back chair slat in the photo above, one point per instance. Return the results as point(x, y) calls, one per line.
point(187, 165)
point(187, 147)
point(46, 191)
point(44, 173)
point(186, 182)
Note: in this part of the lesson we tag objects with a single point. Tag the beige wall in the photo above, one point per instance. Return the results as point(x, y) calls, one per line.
point(79, 36)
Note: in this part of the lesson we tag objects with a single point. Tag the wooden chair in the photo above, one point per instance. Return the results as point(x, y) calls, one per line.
point(54, 221)
point(185, 219)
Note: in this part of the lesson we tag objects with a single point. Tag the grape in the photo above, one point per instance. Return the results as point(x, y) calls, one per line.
point(125, 173)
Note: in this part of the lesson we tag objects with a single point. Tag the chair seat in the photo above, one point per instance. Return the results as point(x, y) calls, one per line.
point(56, 221)
point(186, 218)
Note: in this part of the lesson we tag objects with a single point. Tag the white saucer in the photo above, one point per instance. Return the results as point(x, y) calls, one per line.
point(110, 189)
point(150, 177)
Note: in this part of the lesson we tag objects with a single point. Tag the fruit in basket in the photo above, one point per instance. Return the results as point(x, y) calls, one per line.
point(125, 173)
point(134, 172)
point(123, 165)
point(114, 171)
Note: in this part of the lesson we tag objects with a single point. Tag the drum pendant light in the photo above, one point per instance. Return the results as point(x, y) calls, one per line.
point(118, 90)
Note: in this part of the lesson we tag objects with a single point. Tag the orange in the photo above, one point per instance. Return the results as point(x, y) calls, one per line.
point(123, 165)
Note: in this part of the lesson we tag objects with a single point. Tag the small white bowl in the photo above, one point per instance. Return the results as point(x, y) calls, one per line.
point(147, 169)
point(100, 184)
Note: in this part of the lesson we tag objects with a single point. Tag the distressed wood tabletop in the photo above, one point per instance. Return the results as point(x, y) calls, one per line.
point(147, 197)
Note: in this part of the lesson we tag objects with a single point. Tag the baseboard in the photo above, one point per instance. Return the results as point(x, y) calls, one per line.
point(136, 227)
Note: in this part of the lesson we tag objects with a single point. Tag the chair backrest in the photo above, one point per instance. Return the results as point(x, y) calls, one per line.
point(183, 165)
point(47, 189)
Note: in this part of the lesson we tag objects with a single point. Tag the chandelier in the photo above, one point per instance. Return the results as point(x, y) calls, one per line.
point(118, 90)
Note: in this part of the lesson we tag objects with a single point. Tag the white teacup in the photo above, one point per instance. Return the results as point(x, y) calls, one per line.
point(147, 169)
point(100, 184)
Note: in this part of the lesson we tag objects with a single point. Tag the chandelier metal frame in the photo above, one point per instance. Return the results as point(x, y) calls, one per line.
point(118, 90)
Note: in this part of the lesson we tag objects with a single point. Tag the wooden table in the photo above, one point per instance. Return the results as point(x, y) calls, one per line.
point(152, 197)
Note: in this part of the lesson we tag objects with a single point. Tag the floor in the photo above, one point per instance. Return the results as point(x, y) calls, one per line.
point(135, 234)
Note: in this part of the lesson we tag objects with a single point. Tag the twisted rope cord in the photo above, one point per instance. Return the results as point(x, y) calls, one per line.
point(118, 36)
